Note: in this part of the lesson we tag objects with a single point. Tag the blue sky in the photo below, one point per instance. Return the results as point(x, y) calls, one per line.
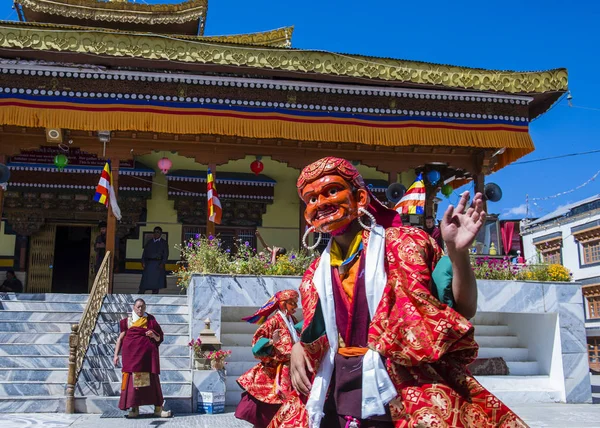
point(519, 35)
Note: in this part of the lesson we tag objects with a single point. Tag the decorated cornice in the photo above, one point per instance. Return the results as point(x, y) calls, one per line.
point(278, 38)
point(587, 235)
point(221, 196)
point(591, 290)
point(259, 183)
point(550, 245)
point(76, 170)
point(32, 68)
point(126, 12)
point(165, 48)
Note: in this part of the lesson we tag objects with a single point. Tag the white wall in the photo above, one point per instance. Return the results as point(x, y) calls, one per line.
point(570, 252)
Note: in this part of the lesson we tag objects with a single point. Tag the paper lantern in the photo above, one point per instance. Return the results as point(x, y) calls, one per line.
point(433, 177)
point(257, 166)
point(165, 165)
point(61, 161)
point(447, 190)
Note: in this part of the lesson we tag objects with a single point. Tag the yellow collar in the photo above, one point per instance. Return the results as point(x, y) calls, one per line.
point(335, 254)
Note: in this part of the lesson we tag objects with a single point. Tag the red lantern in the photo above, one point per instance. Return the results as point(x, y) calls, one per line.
point(257, 166)
point(165, 165)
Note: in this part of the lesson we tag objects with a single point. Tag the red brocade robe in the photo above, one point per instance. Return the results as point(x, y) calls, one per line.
point(426, 345)
point(260, 380)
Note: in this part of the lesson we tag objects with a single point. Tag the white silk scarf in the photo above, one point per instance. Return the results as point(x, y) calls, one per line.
point(377, 387)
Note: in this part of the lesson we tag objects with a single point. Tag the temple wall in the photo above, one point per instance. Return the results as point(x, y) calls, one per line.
point(7, 248)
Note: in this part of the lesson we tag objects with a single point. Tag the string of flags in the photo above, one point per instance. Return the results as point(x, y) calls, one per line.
point(105, 193)
point(568, 191)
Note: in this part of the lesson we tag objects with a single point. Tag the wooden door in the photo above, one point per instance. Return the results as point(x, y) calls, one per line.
point(92, 274)
point(41, 259)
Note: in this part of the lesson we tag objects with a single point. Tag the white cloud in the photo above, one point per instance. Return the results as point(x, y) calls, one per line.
point(520, 210)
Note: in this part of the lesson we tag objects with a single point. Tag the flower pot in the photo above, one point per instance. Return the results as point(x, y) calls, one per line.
point(217, 364)
point(201, 364)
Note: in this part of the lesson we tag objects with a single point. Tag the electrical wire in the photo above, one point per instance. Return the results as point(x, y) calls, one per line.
point(556, 157)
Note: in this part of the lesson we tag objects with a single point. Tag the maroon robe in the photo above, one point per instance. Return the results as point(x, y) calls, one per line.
point(140, 355)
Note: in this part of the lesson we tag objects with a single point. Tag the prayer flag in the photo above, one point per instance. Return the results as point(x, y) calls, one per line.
point(214, 204)
point(413, 201)
point(105, 193)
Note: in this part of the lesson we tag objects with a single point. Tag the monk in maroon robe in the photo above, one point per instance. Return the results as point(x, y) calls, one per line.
point(140, 338)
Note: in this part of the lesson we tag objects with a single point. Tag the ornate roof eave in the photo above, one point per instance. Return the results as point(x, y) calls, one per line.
point(137, 13)
point(109, 46)
point(279, 38)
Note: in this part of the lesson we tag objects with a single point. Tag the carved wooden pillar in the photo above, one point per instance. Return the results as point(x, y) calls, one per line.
point(392, 177)
point(484, 164)
point(111, 223)
point(210, 226)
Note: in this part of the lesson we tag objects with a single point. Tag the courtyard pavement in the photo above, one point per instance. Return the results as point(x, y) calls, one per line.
point(536, 415)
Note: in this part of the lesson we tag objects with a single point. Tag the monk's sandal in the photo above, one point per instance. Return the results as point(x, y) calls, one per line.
point(160, 413)
point(134, 412)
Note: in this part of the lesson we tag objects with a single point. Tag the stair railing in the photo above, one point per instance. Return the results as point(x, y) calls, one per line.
point(81, 334)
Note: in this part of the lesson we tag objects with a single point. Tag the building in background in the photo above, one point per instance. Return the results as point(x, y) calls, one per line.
point(138, 83)
point(571, 236)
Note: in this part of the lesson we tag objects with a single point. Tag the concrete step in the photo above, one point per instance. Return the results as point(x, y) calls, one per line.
point(492, 330)
point(60, 349)
point(41, 306)
point(239, 354)
point(150, 299)
point(113, 327)
point(92, 362)
point(113, 389)
point(497, 341)
point(232, 398)
point(31, 388)
point(34, 375)
point(509, 354)
point(102, 338)
point(33, 404)
point(97, 404)
point(232, 385)
point(33, 316)
point(235, 314)
point(33, 362)
point(521, 389)
point(35, 327)
point(115, 375)
point(161, 318)
point(45, 297)
point(236, 369)
point(524, 368)
point(109, 350)
point(125, 309)
point(233, 339)
point(238, 328)
point(34, 338)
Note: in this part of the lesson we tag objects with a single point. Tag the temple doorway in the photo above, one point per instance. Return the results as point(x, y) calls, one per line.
point(71, 268)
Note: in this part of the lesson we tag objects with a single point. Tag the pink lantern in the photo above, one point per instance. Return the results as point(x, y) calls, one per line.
point(165, 165)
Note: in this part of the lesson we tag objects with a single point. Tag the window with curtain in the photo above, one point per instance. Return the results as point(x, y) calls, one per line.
point(551, 257)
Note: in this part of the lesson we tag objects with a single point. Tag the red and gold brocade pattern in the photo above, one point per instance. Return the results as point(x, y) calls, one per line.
point(427, 346)
point(259, 381)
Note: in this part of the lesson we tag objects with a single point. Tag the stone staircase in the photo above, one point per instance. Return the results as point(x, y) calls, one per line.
point(129, 283)
point(34, 350)
point(526, 382)
point(99, 384)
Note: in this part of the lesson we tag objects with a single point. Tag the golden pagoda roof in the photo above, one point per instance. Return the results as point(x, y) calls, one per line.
point(181, 53)
point(119, 12)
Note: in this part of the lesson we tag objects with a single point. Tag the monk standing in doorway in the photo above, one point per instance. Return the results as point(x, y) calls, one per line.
point(154, 260)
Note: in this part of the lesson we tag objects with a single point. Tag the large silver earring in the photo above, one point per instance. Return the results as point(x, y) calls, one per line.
point(368, 214)
point(304, 239)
